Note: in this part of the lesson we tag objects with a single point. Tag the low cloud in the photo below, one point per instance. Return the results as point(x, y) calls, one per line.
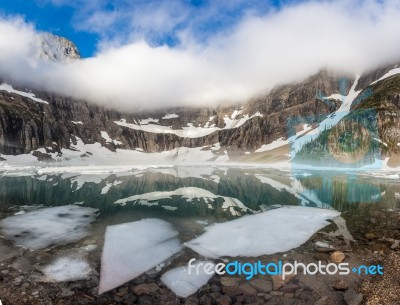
point(258, 53)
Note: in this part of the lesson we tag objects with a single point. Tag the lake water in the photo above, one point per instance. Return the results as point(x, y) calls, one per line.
point(212, 194)
point(193, 197)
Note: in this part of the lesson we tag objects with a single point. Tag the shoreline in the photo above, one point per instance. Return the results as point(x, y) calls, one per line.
point(19, 274)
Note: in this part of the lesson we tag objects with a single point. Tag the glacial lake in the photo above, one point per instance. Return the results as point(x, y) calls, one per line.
point(212, 194)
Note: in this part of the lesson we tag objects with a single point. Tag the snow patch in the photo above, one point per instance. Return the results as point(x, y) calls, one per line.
point(10, 89)
point(281, 141)
point(387, 75)
point(275, 144)
point(170, 116)
point(148, 121)
point(106, 137)
point(188, 131)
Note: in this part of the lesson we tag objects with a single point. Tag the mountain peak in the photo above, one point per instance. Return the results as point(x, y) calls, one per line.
point(57, 48)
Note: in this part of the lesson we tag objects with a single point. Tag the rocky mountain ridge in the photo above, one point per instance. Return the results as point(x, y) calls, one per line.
point(56, 48)
point(31, 120)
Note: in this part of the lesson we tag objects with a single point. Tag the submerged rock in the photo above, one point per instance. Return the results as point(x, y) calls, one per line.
point(337, 257)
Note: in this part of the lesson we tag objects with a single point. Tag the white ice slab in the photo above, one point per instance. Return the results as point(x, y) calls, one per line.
point(45, 227)
point(269, 232)
point(67, 269)
point(131, 249)
point(183, 283)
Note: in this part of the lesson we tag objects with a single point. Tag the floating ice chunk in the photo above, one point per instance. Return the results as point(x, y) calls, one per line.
point(183, 283)
point(67, 269)
point(48, 226)
point(269, 232)
point(131, 249)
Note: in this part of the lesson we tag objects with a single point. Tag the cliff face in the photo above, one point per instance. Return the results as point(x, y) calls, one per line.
point(57, 48)
point(31, 119)
point(26, 125)
point(369, 131)
point(385, 104)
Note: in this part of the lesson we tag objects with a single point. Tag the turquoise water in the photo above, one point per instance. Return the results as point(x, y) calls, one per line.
point(217, 194)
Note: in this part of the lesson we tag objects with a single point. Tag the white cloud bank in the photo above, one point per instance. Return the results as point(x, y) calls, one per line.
point(260, 52)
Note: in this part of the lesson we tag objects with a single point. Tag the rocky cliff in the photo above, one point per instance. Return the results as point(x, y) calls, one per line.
point(31, 119)
point(57, 48)
point(27, 125)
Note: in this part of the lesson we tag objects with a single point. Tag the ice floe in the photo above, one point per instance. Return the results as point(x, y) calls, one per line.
point(131, 249)
point(269, 232)
point(185, 283)
point(66, 269)
point(48, 226)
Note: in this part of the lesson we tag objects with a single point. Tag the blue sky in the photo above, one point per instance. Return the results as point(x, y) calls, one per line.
point(92, 23)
